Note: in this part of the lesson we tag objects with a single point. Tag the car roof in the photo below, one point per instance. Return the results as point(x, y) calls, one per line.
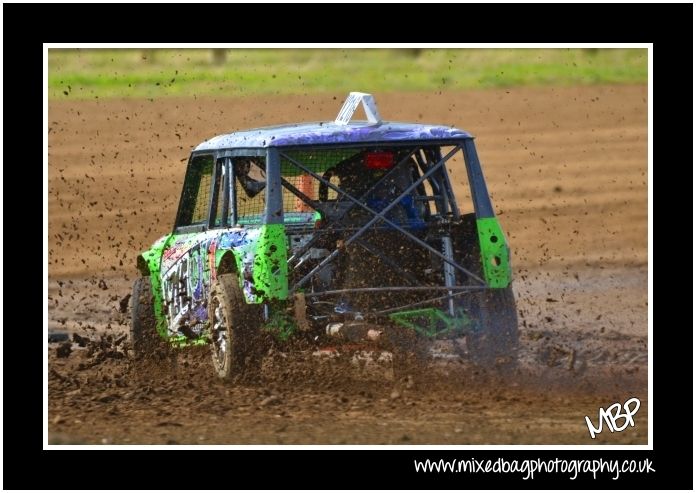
point(319, 133)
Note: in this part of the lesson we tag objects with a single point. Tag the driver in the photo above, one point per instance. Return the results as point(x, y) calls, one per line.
point(242, 169)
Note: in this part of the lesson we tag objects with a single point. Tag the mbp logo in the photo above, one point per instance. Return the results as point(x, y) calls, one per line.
point(612, 415)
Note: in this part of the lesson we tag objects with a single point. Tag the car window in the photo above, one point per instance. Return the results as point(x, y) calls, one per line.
point(318, 161)
point(375, 175)
point(220, 206)
point(250, 186)
point(195, 199)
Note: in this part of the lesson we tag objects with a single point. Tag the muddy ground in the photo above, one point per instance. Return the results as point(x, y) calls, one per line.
point(567, 171)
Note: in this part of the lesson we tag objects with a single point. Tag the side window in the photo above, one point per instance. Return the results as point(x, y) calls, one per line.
point(323, 163)
point(250, 189)
point(220, 203)
point(195, 198)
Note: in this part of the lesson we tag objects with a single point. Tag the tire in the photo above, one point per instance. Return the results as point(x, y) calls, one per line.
point(143, 333)
point(234, 330)
point(493, 342)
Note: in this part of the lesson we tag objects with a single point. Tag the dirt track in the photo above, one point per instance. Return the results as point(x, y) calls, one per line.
point(567, 170)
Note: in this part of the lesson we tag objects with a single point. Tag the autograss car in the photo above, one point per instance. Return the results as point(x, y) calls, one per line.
point(343, 229)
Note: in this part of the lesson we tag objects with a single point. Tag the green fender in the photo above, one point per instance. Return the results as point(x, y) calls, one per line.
point(149, 265)
point(269, 267)
point(270, 271)
point(495, 252)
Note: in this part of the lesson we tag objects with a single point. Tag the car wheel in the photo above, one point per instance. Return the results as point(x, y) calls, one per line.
point(234, 328)
point(494, 339)
point(143, 333)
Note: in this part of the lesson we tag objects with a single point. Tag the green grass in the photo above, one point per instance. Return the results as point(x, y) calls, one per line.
point(86, 74)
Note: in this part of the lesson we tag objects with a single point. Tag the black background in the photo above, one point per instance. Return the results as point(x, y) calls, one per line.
point(26, 27)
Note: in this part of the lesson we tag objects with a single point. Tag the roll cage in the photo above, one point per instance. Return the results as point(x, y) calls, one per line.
point(457, 279)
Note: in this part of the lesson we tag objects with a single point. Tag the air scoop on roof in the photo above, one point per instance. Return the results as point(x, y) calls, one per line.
point(352, 101)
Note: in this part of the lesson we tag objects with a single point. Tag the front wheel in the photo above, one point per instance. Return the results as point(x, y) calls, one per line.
point(234, 328)
point(143, 333)
point(494, 338)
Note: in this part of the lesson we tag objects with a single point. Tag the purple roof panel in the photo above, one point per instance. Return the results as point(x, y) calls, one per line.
point(330, 133)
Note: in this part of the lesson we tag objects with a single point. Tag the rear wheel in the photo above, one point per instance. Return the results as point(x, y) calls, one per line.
point(234, 330)
point(494, 339)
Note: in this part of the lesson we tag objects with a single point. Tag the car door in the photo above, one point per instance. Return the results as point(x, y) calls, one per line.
point(186, 263)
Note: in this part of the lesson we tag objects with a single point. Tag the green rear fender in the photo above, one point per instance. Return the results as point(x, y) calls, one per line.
point(270, 269)
point(261, 263)
point(495, 252)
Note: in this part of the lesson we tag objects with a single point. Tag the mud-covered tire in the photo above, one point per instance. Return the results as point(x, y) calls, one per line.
point(143, 332)
point(493, 342)
point(234, 330)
